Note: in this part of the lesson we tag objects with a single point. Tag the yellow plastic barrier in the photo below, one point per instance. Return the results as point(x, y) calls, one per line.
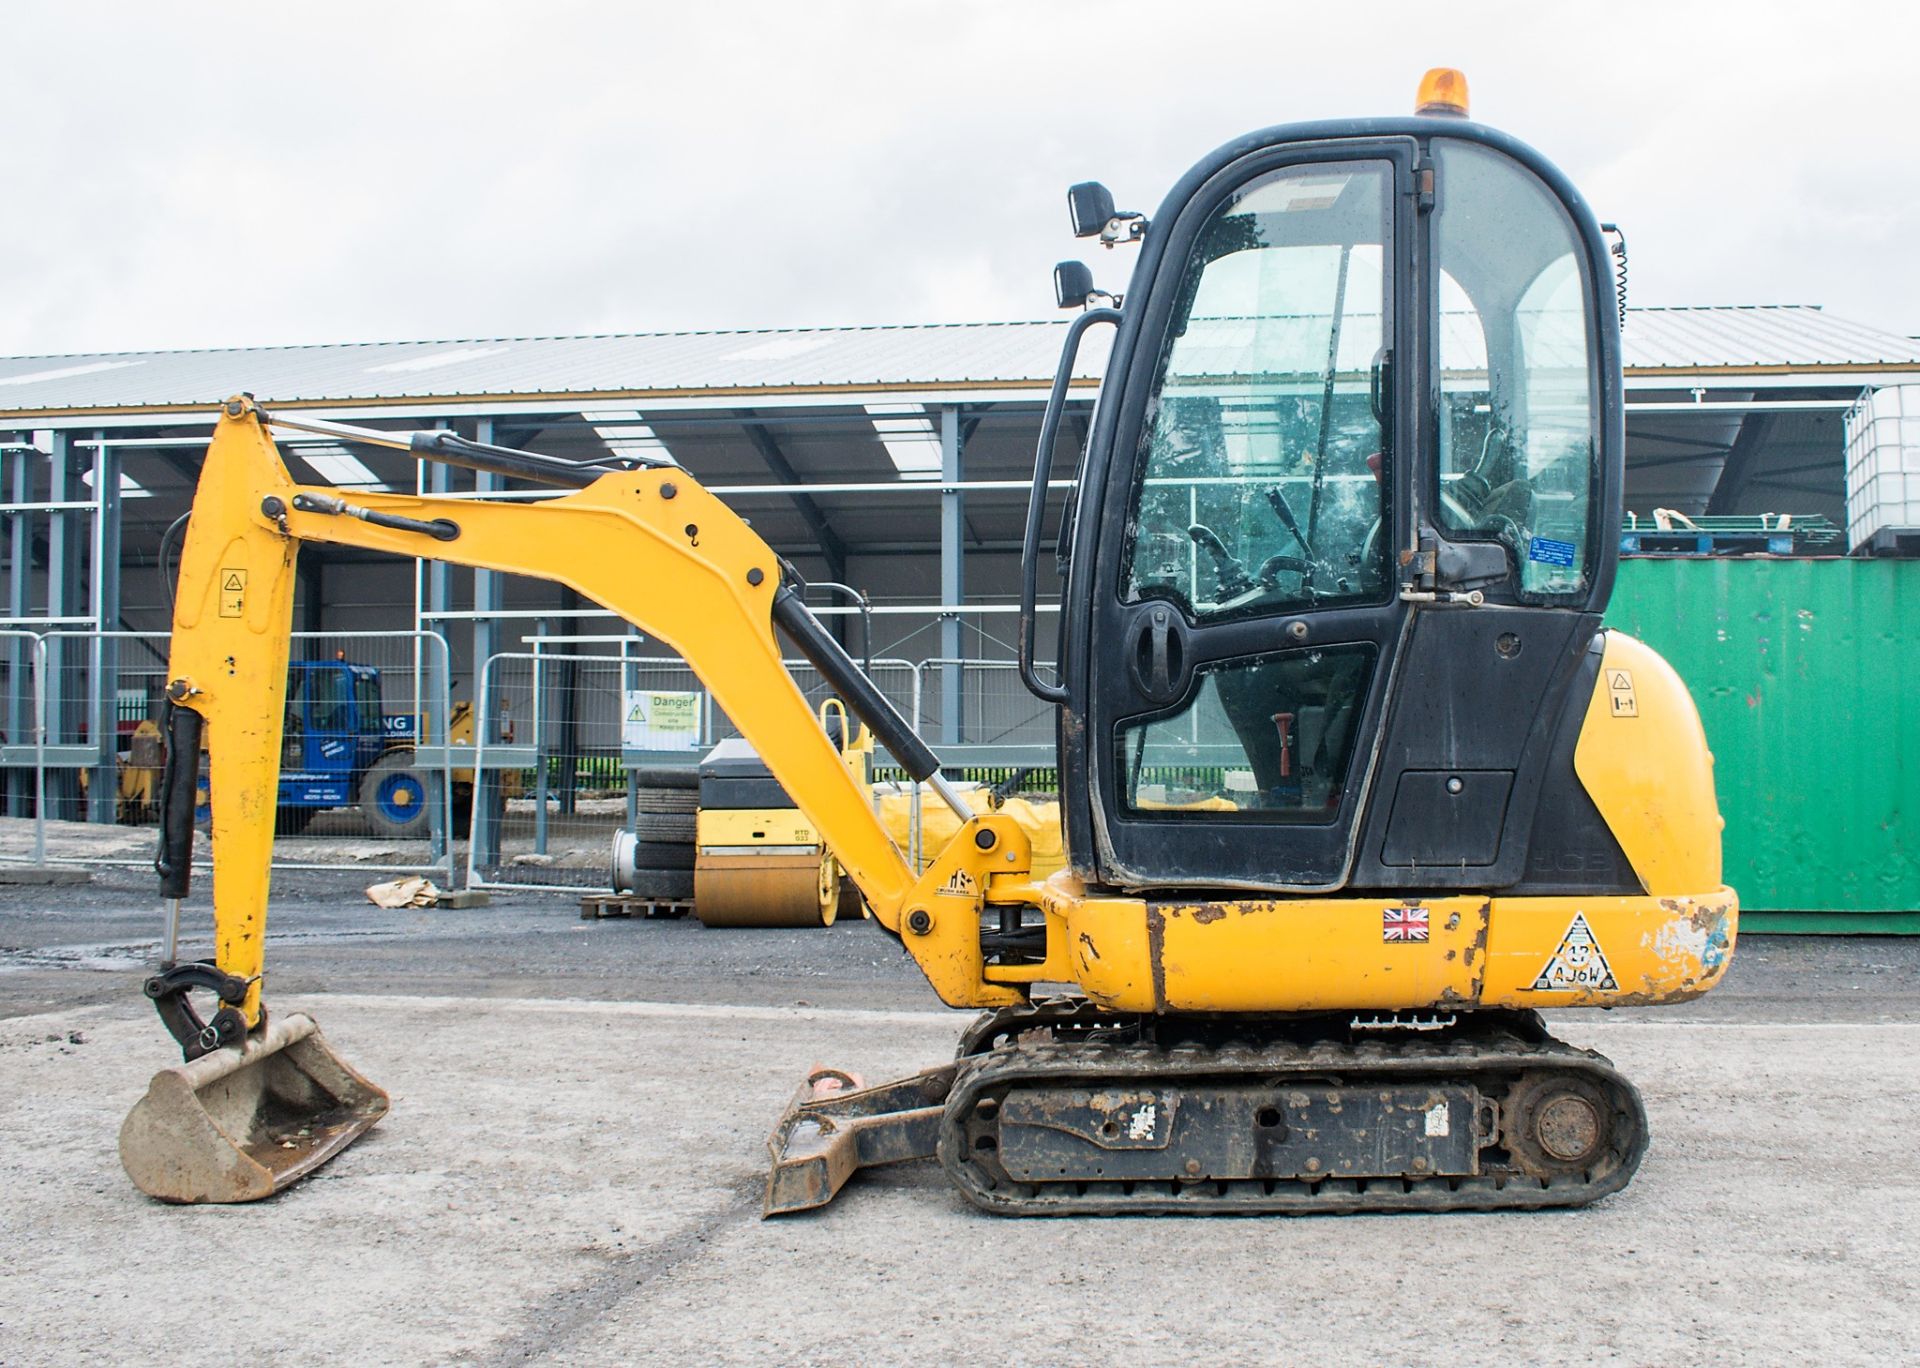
point(939, 825)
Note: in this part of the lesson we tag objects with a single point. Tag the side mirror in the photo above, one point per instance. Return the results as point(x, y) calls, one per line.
point(1091, 205)
point(1072, 284)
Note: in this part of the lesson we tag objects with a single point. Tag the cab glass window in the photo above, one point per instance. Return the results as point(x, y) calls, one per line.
point(1270, 735)
point(1518, 436)
point(332, 699)
point(366, 692)
point(1261, 484)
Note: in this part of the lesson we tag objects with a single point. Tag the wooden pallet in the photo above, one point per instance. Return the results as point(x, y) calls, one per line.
point(595, 906)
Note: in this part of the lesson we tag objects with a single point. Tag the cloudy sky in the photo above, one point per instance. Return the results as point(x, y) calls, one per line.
point(211, 174)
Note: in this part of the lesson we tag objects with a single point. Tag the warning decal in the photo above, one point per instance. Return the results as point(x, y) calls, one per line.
point(233, 593)
point(1620, 691)
point(1579, 964)
point(961, 882)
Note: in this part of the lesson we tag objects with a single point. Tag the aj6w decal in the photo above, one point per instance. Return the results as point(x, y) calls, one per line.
point(1579, 963)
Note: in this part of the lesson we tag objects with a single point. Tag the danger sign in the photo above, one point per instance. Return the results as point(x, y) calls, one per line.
point(1620, 692)
point(233, 593)
point(1578, 965)
point(661, 721)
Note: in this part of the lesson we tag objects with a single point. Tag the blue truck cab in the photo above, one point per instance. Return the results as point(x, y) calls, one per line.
point(343, 748)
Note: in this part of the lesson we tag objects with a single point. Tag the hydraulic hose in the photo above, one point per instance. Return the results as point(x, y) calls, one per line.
point(178, 782)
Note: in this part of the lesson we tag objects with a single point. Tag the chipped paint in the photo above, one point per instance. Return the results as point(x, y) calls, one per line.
point(1157, 955)
point(1695, 935)
point(1478, 947)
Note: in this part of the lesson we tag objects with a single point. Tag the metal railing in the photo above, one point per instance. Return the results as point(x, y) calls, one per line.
point(25, 712)
point(96, 755)
point(549, 772)
point(564, 737)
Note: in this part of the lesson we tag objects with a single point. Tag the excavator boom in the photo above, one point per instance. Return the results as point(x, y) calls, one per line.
point(215, 1128)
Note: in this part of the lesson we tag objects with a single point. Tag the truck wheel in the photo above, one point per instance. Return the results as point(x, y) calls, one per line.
point(393, 797)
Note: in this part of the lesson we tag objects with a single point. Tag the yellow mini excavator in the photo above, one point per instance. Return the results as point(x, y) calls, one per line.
point(1352, 780)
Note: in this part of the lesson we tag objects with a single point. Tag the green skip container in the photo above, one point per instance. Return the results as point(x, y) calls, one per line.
point(1805, 673)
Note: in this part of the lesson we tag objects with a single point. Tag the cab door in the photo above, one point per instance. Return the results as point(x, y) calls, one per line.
point(1246, 618)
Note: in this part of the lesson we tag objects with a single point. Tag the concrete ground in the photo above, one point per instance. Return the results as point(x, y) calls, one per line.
point(571, 1172)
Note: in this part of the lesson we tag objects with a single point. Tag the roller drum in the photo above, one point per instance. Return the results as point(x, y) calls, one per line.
point(760, 889)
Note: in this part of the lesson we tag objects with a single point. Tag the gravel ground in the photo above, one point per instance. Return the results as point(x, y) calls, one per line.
point(571, 1173)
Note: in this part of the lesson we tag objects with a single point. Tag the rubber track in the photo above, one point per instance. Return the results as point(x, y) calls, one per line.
point(1477, 1057)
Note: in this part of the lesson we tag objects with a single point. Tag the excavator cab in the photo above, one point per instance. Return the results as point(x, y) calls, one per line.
point(1338, 544)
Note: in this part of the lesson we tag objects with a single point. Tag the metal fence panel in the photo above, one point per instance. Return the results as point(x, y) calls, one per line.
point(23, 733)
point(365, 772)
point(996, 708)
point(537, 776)
point(551, 784)
point(555, 765)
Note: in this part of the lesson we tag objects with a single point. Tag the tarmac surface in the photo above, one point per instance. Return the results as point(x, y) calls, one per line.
point(572, 1169)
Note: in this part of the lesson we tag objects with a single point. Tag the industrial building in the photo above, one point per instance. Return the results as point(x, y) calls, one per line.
point(896, 460)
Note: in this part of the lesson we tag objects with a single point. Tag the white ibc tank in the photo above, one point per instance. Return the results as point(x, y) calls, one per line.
point(1883, 466)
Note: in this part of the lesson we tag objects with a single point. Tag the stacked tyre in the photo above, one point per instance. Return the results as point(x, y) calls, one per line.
point(655, 858)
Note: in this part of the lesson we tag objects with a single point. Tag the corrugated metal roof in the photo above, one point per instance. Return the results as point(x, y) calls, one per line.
point(854, 358)
point(1755, 335)
point(907, 356)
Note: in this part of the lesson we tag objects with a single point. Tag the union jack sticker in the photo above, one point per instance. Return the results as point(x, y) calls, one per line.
point(1403, 924)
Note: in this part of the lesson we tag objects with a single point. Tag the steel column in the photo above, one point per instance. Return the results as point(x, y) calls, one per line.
point(18, 463)
point(65, 677)
point(433, 596)
point(104, 656)
point(489, 803)
point(953, 528)
point(542, 711)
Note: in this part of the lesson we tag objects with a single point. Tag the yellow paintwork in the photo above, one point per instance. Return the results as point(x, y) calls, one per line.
point(754, 826)
point(1329, 954)
point(229, 659)
point(678, 568)
point(1643, 759)
point(1659, 949)
point(951, 894)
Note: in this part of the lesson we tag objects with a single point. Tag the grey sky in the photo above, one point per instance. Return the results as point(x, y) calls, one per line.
point(225, 174)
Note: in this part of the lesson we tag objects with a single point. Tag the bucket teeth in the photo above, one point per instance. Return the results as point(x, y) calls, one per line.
point(240, 1123)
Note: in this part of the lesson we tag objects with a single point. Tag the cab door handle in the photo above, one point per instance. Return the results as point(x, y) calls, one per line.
point(1159, 654)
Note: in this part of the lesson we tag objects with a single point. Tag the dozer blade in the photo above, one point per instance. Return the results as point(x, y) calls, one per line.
point(834, 1127)
point(241, 1123)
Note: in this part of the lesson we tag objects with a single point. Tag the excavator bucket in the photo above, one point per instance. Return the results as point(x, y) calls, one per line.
point(240, 1123)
